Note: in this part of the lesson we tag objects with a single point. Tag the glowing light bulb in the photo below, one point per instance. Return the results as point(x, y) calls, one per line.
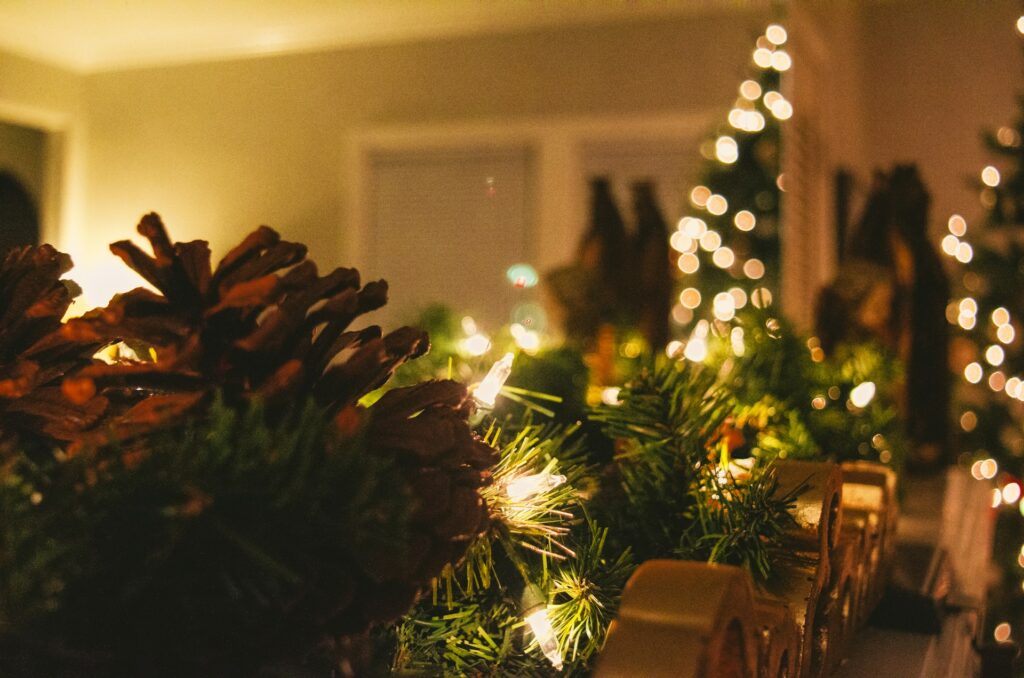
point(862, 393)
point(688, 263)
point(477, 344)
point(674, 348)
point(724, 306)
point(996, 381)
point(486, 393)
point(966, 321)
point(771, 98)
point(1011, 493)
point(736, 341)
point(695, 228)
point(723, 257)
point(710, 241)
point(994, 355)
point(782, 110)
point(761, 297)
point(763, 57)
point(1020, 25)
point(776, 34)
point(697, 347)
point(717, 205)
point(753, 269)
point(699, 195)
point(739, 297)
point(542, 630)
point(964, 253)
point(726, 150)
point(780, 60)
point(957, 225)
point(1005, 333)
point(973, 373)
point(610, 396)
point(522, 488)
point(690, 297)
point(1000, 316)
point(997, 497)
point(468, 325)
point(750, 90)
point(989, 468)
point(990, 176)
point(949, 244)
point(745, 220)
point(968, 306)
point(680, 242)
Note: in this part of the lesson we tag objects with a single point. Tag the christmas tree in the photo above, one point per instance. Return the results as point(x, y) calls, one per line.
point(728, 244)
point(987, 355)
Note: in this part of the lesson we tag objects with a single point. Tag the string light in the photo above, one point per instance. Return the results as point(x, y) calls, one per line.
point(487, 391)
point(750, 90)
point(723, 257)
point(1011, 493)
point(739, 297)
point(610, 395)
point(744, 220)
point(964, 253)
point(994, 355)
point(681, 242)
point(694, 227)
point(763, 57)
point(522, 488)
point(1005, 333)
point(949, 244)
point(717, 205)
point(726, 150)
point(1003, 631)
point(736, 340)
point(996, 381)
point(477, 344)
point(990, 176)
point(699, 195)
point(753, 269)
point(724, 306)
point(544, 633)
point(528, 340)
point(1000, 316)
point(781, 61)
point(697, 347)
point(862, 394)
point(690, 297)
point(782, 109)
point(973, 373)
point(957, 226)
point(776, 34)
point(710, 241)
point(688, 263)
point(1020, 25)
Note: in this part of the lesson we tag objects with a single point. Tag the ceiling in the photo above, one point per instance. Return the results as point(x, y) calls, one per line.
point(97, 35)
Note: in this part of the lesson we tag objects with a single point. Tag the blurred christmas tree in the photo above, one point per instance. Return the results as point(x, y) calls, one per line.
point(987, 355)
point(728, 245)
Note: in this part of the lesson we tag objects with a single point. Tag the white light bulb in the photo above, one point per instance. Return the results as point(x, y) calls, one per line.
point(477, 344)
point(736, 340)
point(862, 394)
point(486, 393)
point(542, 630)
point(521, 488)
point(990, 176)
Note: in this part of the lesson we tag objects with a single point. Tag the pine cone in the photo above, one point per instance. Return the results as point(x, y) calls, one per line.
point(262, 324)
point(35, 356)
point(425, 429)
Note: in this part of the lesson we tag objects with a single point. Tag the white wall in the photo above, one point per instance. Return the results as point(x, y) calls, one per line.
point(220, 148)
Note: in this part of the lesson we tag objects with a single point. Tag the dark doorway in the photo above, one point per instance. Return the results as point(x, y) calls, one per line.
point(19, 218)
point(23, 153)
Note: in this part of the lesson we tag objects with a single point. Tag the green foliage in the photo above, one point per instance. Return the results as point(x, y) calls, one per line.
point(226, 543)
point(473, 624)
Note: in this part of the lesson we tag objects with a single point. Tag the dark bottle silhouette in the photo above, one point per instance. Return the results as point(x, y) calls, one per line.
point(651, 276)
point(604, 250)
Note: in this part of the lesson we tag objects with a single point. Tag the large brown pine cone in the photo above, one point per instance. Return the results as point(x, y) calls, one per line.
point(425, 429)
point(35, 356)
point(263, 324)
